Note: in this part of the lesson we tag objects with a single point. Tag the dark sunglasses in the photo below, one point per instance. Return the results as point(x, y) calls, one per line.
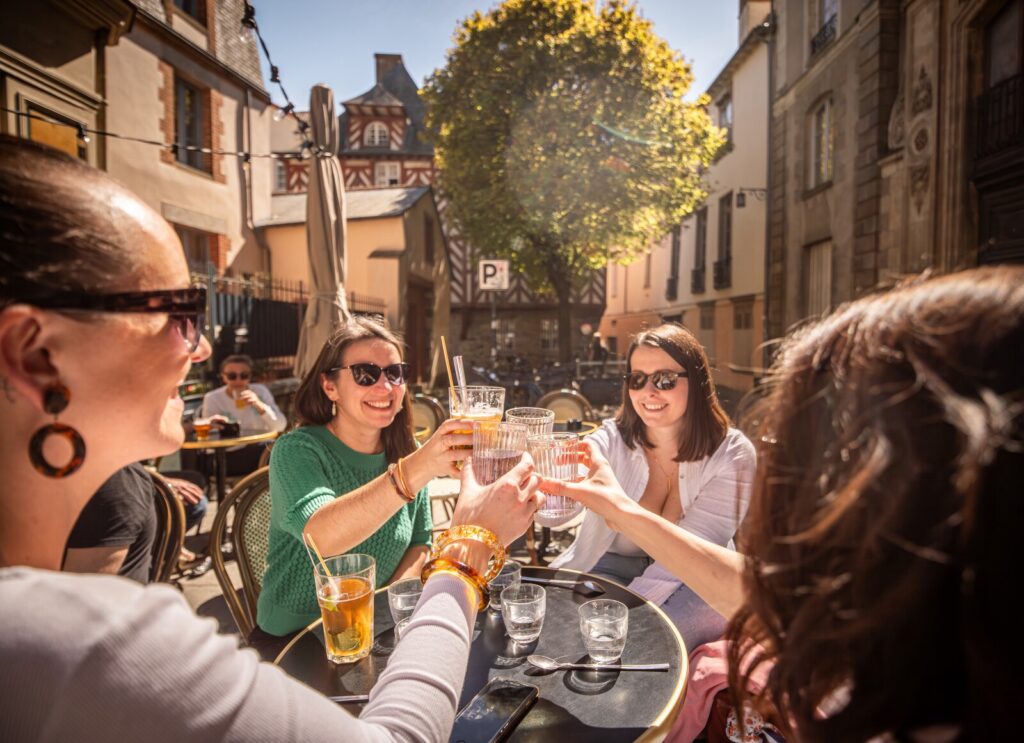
point(662, 380)
point(368, 374)
point(232, 376)
point(186, 307)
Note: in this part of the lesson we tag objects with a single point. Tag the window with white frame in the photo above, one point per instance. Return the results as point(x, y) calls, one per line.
point(376, 135)
point(725, 116)
point(549, 337)
point(506, 334)
point(821, 138)
point(280, 176)
point(387, 174)
point(818, 279)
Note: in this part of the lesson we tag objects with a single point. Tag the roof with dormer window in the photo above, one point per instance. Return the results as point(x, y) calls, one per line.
point(396, 84)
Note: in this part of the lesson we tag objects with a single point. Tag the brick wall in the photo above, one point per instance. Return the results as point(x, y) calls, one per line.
point(219, 247)
point(166, 95)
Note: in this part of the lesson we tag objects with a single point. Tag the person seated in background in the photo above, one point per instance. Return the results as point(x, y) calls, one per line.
point(350, 476)
point(673, 449)
point(249, 404)
point(116, 530)
point(883, 538)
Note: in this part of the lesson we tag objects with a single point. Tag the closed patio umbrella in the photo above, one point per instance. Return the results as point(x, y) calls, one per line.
point(325, 232)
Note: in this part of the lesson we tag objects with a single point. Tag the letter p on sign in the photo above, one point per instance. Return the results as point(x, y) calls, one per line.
point(493, 275)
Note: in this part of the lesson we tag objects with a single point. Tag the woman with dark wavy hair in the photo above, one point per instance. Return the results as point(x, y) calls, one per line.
point(334, 477)
point(883, 536)
point(675, 454)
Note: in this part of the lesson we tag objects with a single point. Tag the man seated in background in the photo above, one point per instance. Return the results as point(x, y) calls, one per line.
point(249, 404)
point(117, 528)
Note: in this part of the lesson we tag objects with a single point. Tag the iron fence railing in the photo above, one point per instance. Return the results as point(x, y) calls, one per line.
point(723, 273)
point(825, 36)
point(1000, 116)
point(697, 280)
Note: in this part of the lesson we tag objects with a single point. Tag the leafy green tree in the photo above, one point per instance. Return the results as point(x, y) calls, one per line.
point(563, 139)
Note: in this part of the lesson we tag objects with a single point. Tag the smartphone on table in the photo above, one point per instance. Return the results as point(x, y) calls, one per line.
point(494, 712)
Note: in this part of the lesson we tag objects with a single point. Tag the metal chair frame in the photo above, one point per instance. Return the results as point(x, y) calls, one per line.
point(234, 511)
point(170, 534)
point(586, 410)
point(431, 405)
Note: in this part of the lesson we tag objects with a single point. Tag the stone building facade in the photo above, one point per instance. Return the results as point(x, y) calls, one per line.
point(897, 131)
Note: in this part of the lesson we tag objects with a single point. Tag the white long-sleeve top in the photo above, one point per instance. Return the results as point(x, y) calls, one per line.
point(100, 658)
point(219, 402)
point(714, 493)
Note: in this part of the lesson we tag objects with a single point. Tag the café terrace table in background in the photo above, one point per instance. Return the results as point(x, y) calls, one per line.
point(219, 445)
point(573, 705)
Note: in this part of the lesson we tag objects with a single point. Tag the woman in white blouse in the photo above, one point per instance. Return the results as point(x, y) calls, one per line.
point(673, 451)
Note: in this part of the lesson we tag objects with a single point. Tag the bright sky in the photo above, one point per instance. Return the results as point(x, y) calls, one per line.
point(333, 41)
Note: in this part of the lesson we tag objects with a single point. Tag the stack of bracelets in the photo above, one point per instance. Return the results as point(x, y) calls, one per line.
point(466, 533)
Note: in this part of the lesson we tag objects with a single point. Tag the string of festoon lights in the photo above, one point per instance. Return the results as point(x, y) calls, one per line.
point(249, 28)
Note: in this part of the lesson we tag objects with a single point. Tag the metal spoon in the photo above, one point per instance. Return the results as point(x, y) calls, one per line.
point(583, 587)
point(350, 698)
point(550, 664)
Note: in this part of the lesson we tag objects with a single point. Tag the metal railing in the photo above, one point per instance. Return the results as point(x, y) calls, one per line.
point(1000, 116)
point(697, 280)
point(723, 273)
point(671, 288)
point(825, 36)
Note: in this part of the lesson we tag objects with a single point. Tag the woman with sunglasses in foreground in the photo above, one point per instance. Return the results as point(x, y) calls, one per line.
point(97, 330)
point(672, 449)
point(350, 476)
point(883, 539)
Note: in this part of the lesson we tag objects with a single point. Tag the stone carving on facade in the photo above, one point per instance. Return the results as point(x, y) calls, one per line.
point(897, 123)
point(919, 177)
point(921, 140)
point(922, 99)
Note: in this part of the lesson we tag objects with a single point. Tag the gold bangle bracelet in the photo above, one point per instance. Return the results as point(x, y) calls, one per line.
point(409, 494)
point(470, 533)
point(394, 482)
point(457, 567)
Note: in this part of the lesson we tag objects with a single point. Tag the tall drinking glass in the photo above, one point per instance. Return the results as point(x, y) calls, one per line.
point(554, 457)
point(345, 595)
point(403, 595)
point(477, 403)
point(537, 420)
point(497, 448)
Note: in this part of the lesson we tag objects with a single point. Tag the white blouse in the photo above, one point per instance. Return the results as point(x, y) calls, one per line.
point(714, 493)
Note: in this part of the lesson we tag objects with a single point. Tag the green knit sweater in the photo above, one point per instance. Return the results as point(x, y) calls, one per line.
point(309, 468)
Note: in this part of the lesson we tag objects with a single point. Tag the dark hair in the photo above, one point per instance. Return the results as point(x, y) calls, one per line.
point(55, 236)
point(705, 423)
point(887, 513)
point(312, 406)
point(236, 358)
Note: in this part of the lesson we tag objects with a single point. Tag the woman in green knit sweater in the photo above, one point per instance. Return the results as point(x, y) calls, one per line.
point(337, 477)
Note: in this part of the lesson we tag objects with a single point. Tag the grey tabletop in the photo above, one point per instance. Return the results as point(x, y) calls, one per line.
point(573, 705)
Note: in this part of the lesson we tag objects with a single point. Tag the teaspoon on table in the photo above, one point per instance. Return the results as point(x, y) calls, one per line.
point(583, 587)
point(550, 664)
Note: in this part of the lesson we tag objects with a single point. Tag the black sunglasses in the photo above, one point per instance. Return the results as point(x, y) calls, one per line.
point(662, 380)
point(232, 376)
point(367, 374)
point(186, 307)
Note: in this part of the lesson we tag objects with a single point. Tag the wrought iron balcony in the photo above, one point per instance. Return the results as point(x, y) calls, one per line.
point(1000, 116)
point(672, 288)
point(825, 36)
point(697, 280)
point(723, 273)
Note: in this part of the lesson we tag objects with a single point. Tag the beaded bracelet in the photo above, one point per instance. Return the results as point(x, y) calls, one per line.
point(392, 468)
point(468, 532)
point(461, 569)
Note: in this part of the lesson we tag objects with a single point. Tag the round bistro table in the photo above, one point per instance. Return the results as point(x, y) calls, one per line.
point(219, 446)
point(573, 705)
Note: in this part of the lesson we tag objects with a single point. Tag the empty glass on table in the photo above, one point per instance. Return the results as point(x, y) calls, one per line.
point(522, 609)
point(604, 624)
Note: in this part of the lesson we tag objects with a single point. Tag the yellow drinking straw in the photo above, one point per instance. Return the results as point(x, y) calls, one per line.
point(309, 540)
point(448, 366)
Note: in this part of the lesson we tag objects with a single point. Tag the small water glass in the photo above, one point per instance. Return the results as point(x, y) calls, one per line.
point(555, 458)
point(537, 420)
point(604, 624)
point(510, 575)
point(522, 610)
point(497, 448)
point(403, 596)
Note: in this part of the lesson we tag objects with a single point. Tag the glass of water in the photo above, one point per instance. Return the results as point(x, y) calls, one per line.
point(522, 609)
point(537, 420)
point(510, 575)
point(555, 458)
point(604, 624)
point(403, 596)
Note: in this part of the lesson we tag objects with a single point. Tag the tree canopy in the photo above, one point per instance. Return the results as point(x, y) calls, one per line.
point(563, 139)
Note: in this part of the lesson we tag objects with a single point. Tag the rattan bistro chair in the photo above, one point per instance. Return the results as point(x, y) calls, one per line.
point(427, 412)
point(567, 405)
point(247, 510)
point(170, 531)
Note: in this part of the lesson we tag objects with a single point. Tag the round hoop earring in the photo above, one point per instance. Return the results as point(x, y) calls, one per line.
point(55, 399)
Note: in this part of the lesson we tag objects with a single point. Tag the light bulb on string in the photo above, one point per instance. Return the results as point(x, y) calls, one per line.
point(247, 33)
point(83, 133)
point(283, 112)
